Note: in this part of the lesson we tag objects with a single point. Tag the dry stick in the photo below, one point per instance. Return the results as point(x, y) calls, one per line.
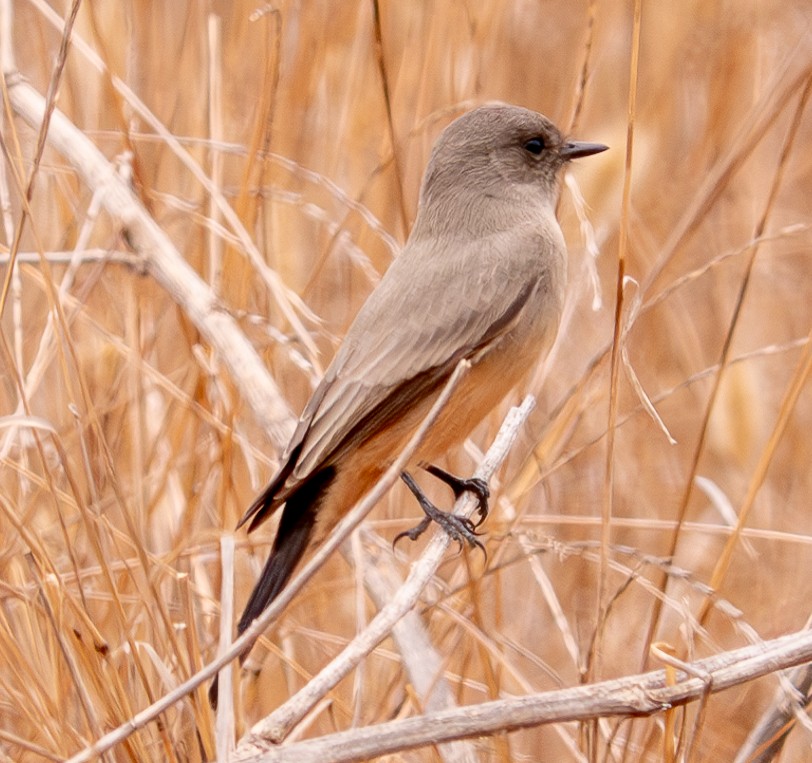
point(278, 724)
point(607, 506)
point(255, 630)
point(66, 257)
point(589, 44)
point(224, 723)
point(216, 131)
point(637, 695)
point(387, 102)
point(255, 173)
point(197, 300)
point(422, 663)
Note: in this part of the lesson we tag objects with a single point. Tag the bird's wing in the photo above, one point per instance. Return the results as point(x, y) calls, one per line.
point(432, 309)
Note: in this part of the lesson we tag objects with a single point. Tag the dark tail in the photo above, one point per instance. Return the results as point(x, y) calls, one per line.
point(290, 543)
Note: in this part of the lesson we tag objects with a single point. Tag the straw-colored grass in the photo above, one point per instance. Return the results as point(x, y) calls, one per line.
point(136, 423)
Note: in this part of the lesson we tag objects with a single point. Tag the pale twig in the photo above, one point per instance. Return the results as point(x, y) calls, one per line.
point(421, 661)
point(616, 353)
point(637, 695)
point(76, 257)
point(224, 724)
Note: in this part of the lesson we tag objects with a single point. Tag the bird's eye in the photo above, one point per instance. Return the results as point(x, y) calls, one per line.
point(535, 145)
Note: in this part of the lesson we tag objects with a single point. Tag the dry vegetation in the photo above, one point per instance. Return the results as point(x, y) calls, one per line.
point(131, 442)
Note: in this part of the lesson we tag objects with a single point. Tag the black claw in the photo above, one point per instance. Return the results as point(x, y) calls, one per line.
point(460, 529)
point(415, 532)
point(460, 485)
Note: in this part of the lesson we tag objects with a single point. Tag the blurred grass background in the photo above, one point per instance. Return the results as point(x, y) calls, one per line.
point(316, 121)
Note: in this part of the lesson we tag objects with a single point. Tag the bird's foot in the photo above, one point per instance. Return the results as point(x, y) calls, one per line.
point(460, 485)
point(460, 529)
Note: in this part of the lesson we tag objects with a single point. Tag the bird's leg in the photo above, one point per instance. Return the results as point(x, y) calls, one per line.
point(458, 528)
point(460, 485)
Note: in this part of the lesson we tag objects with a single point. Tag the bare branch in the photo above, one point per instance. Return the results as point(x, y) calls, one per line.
point(421, 662)
point(638, 695)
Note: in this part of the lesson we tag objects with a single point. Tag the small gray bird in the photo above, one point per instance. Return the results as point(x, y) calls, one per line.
point(482, 277)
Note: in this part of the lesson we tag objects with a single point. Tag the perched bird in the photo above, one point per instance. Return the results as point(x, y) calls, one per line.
point(481, 277)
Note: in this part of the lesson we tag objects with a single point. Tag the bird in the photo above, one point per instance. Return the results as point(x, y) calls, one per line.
point(481, 278)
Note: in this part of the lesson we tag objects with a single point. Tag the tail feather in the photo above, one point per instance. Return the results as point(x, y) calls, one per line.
point(291, 541)
point(292, 536)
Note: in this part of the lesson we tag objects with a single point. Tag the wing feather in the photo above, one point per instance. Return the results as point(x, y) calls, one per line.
point(436, 305)
point(429, 312)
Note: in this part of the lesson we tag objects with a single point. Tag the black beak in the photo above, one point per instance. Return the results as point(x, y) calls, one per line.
point(576, 149)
